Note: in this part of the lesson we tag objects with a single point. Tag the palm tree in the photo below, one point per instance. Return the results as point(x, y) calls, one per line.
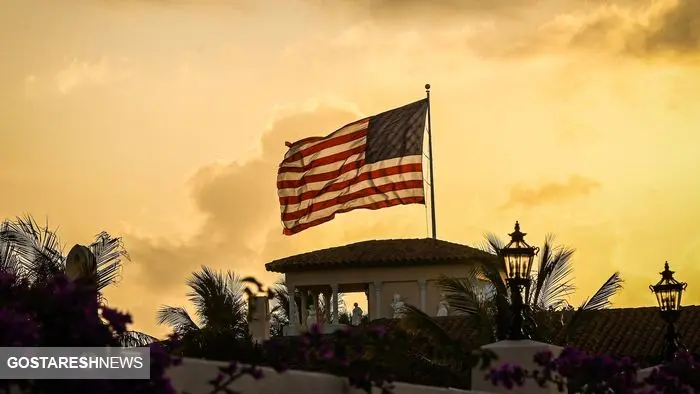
point(279, 314)
point(221, 312)
point(484, 296)
point(34, 252)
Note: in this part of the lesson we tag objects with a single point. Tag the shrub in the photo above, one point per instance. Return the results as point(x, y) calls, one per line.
point(580, 372)
point(58, 312)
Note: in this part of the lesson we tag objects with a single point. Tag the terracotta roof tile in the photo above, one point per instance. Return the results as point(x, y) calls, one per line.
point(623, 332)
point(381, 253)
point(636, 332)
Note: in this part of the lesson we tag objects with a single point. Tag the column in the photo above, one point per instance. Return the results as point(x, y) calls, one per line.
point(314, 303)
point(293, 317)
point(304, 307)
point(327, 307)
point(334, 302)
point(423, 293)
point(378, 306)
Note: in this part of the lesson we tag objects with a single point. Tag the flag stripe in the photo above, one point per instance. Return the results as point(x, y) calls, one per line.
point(372, 206)
point(318, 180)
point(346, 198)
point(336, 190)
point(322, 161)
point(320, 174)
point(297, 167)
point(306, 154)
point(309, 142)
point(375, 201)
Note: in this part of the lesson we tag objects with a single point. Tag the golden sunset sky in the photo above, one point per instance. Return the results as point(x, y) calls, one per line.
point(164, 122)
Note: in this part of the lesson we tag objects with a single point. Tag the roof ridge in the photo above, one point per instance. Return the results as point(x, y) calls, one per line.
point(379, 252)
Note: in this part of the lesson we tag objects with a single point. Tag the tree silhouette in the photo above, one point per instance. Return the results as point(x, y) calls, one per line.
point(220, 323)
point(34, 252)
point(484, 297)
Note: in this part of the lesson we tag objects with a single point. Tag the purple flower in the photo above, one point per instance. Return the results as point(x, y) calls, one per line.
point(116, 319)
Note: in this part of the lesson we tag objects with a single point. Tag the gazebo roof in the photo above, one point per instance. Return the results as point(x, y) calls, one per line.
point(381, 253)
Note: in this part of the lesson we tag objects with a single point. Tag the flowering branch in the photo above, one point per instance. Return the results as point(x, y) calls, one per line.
point(579, 372)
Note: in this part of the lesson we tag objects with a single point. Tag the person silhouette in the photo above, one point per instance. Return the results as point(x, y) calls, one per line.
point(356, 315)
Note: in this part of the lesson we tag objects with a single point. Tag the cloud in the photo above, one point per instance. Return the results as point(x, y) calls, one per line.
point(552, 192)
point(396, 9)
point(662, 28)
point(501, 28)
point(676, 29)
point(239, 203)
point(78, 73)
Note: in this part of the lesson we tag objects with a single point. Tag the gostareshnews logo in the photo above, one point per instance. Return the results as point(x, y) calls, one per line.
point(75, 363)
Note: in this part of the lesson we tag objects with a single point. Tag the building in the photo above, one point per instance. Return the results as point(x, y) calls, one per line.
point(389, 272)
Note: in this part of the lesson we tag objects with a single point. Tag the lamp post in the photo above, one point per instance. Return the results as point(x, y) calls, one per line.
point(518, 256)
point(668, 294)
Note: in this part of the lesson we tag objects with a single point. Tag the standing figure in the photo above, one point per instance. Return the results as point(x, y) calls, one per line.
point(311, 319)
point(397, 306)
point(356, 315)
point(443, 306)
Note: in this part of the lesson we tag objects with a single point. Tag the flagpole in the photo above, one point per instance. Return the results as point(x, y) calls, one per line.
point(432, 178)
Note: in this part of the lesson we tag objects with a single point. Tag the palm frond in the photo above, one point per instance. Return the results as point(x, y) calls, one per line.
point(9, 262)
point(136, 339)
point(492, 244)
point(462, 294)
point(37, 249)
point(553, 282)
point(417, 322)
point(280, 305)
point(218, 298)
point(531, 297)
point(109, 253)
point(176, 318)
point(599, 300)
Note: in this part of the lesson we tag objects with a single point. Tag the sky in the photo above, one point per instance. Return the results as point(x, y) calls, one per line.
point(163, 121)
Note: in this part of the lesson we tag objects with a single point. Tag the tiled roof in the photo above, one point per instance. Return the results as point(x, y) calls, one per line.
point(636, 332)
point(624, 332)
point(381, 253)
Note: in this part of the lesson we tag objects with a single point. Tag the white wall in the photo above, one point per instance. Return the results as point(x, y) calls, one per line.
point(192, 376)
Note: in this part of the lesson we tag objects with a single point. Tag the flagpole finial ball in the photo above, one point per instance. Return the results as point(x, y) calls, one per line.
point(427, 86)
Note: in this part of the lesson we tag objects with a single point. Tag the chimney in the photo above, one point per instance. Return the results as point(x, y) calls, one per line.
point(259, 324)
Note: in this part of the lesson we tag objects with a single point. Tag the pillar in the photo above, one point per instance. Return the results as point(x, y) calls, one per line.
point(423, 293)
point(259, 324)
point(327, 307)
point(304, 307)
point(314, 302)
point(378, 300)
point(293, 316)
point(334, 302)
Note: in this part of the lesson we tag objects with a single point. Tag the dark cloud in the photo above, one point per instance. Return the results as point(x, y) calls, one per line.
point(399, 8)
point(553, 192)
point(677, 30)
point(524, 27)
point(673, 30)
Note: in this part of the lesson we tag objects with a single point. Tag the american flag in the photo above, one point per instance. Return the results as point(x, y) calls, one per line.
point(371, 163)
